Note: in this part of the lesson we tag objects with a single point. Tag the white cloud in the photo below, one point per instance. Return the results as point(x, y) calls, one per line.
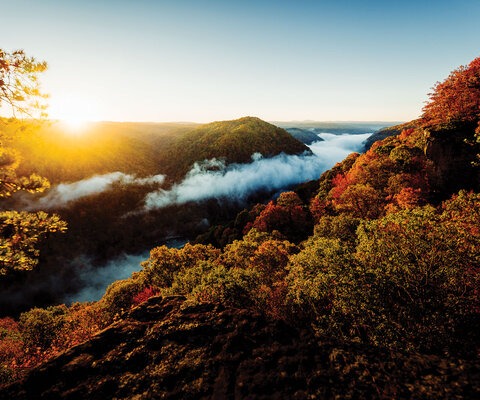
point(213, 179)
point(64, 193)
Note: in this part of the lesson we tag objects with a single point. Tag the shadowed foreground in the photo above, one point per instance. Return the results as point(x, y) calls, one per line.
point(167, 349)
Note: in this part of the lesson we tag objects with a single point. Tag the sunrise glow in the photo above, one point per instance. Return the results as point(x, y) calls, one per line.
point(74, 112)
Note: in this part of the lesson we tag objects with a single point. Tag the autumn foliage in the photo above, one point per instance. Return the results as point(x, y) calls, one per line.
point(456, 100)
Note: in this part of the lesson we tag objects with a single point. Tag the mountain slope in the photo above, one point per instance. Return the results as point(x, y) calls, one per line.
point(145, 148)
point(390, 256)
point(387, 132)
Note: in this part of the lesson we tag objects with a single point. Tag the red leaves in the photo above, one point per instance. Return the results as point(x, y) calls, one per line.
point(144, 295)
point(288, 216)
point(340, 184)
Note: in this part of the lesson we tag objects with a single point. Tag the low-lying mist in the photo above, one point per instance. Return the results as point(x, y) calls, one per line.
point(94, 280)
point(235, 182)
point(60, 195)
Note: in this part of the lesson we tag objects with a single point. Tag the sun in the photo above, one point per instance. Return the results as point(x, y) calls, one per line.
point(74, 125)
point(73, 112)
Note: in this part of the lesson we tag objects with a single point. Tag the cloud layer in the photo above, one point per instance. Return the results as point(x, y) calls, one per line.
point(64, 193)
point(212, 179)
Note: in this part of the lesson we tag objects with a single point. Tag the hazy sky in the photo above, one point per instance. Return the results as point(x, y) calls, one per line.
point(204, 60)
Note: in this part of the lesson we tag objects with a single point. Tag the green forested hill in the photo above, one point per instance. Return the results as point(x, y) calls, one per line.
point(235, 141)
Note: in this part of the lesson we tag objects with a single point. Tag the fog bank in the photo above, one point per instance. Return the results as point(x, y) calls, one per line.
point(64, 193)
point(212, 179)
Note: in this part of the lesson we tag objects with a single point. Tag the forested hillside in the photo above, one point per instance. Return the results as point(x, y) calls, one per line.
point(363, 284)
point(235, 141)
point(54, 150)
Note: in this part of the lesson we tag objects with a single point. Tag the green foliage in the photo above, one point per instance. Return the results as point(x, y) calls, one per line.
point(164, 262)
point(19, 237)
point(20, 232)
point(342, 226)
point(41, 327)
point(321, 285)
point(119, 296)
point(413, 271)
point(234, 141)
point(421, 278)
point(238, 253)
point(208, 282)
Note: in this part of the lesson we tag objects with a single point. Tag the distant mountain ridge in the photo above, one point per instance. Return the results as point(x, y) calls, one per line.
point(337, 127)
point(304, 135)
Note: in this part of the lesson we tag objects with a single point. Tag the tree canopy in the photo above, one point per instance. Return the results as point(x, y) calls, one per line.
point(456, 100)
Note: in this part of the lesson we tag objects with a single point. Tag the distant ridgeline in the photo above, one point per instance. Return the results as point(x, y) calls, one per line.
point(307, 132)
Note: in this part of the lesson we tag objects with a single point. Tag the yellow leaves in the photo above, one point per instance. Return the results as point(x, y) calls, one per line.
point(20, 233)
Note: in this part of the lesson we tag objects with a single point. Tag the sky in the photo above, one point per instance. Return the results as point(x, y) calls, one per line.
point(207, 60)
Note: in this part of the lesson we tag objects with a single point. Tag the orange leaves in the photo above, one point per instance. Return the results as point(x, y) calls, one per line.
point(340, 184)
point(391, 175)
point(456, 99)
point(406, 133)
point(271, 258)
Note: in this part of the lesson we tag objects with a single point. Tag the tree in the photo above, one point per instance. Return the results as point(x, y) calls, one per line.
point(20, 232)
point(421, 274)
point(19, 85)
point(456, 100)
point(289, 216)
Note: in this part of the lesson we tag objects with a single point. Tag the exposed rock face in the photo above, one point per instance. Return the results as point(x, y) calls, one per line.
point(166, 349)
point(452, 154)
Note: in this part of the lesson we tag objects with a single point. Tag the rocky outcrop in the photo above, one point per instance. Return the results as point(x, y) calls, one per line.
point(167, 349)
point(453, 154)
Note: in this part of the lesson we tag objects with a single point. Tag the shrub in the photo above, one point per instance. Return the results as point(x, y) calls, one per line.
point(119, 296)
point(41, 327)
